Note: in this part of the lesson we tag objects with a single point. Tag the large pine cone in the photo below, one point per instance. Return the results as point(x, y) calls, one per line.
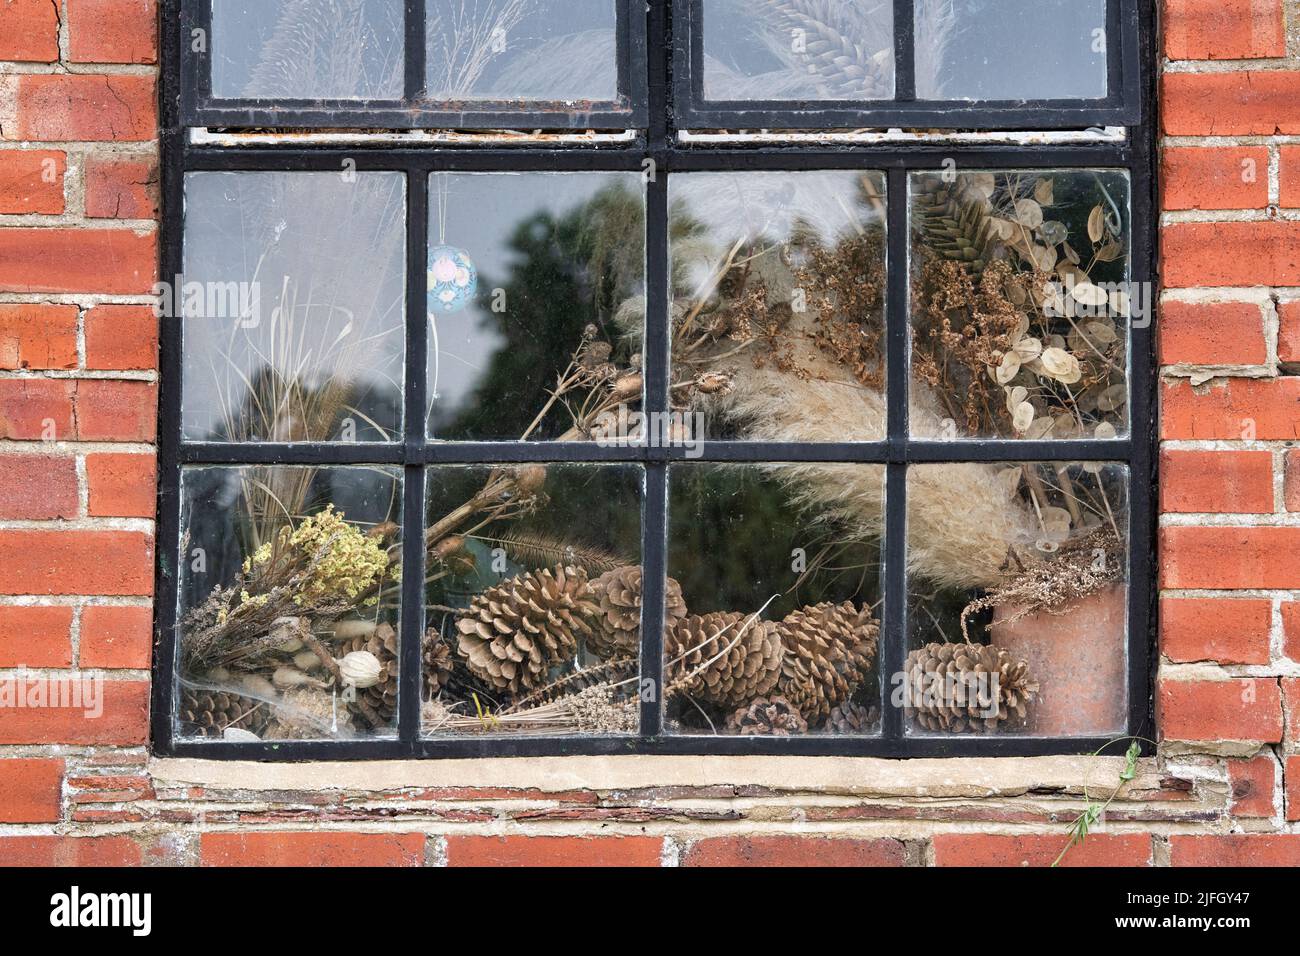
point(619, 594)
point(210, 713)
point(512, 635)
point(377, 705)
point(967, 688)
point(748, 653)
point(767, 716)
point(829, 649)
point(436, 656)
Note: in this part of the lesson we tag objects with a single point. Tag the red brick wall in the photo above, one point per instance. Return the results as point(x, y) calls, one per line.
point(78, 248)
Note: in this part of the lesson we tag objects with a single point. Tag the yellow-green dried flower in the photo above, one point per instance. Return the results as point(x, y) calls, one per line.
point(345, 562)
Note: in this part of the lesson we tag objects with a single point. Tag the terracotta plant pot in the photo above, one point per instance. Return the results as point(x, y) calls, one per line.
point(1078, 658)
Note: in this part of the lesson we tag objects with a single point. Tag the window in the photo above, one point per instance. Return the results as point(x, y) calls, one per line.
point(548, 378)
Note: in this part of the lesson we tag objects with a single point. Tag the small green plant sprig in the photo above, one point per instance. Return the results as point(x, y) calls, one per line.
point(1092, 814)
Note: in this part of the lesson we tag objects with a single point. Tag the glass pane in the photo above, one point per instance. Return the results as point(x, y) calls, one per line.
point(1018, 597)
point(289, 604)
point(1010, 49)
point(778, 296)
point(798, 49)
point(1021, 304)
point(308, 49)
point(773, 599)
point(536, 282)
point(534, 600)
point(293, 300)
point(522, 50)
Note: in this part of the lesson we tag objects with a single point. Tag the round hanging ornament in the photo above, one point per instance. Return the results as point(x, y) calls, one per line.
point(453, 279)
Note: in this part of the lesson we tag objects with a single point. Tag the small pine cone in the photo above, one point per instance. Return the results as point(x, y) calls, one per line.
point(967, 688)
point(829, 649)
point(436, 657)
point(211, 713)
point(748, 653)
point(619, 594)
point(767, 716)
point(376, 706)
point(849, 719)
point(512, 635)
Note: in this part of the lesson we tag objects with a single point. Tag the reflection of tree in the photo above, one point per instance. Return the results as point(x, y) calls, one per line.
point(571, 271)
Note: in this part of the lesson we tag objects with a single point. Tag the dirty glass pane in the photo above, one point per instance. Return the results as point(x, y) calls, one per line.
point(778, 297)
point(293, 305)
point(1010, 49)
point(798, 49)
point(1022, 304)
point(308, 49)
point(533, 593)
point(1017, 599)
point(290, 585)
point(536, 285)
point(522, 50)
point(772, 605)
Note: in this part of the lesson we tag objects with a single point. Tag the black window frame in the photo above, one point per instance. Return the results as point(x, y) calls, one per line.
point(658, 143)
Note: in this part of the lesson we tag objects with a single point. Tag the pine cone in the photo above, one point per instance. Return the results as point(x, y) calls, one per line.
point(436, 656)
point(619, 594)
point(850, 719)
point(829, 650)
point(377, 705)
point(512, 635)
point(748, 653)
point(967, 688)
point(210, 713)
point(767, 716)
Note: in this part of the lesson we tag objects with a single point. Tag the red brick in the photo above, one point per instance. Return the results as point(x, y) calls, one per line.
point(116, 637)
point(1229, 557)
point(1236, 709)
point(38, 336)
point(84, 108)
point(1237, 850)
point(29, 31)
point(1230, 409)
point(35, 636)
point(31, 791)
point(121, 337)
point(1291, 630)
point(121, 486)
point(112, 31)
point(76, 562)
point(1291, 694)
point(1293, 788)
point(31, 180)
point(1218, 177)
point(1223, 29)
point(38, 487)
point(1238, 482)
point(116, 411)
point(110, 261)
point(553, 851)
point(1288, 176)
point(1231, 254)
point(315, 848)
point(1291, 485)
point(1288, 335)
point(1212, 333)
point(68, 851)
point(1236, 103)
point(777, 851)
point(1226, 630)
point(123, 718)
point(1252, 783)
point(121, 189)
point(1100, 849)
point(36, 409)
